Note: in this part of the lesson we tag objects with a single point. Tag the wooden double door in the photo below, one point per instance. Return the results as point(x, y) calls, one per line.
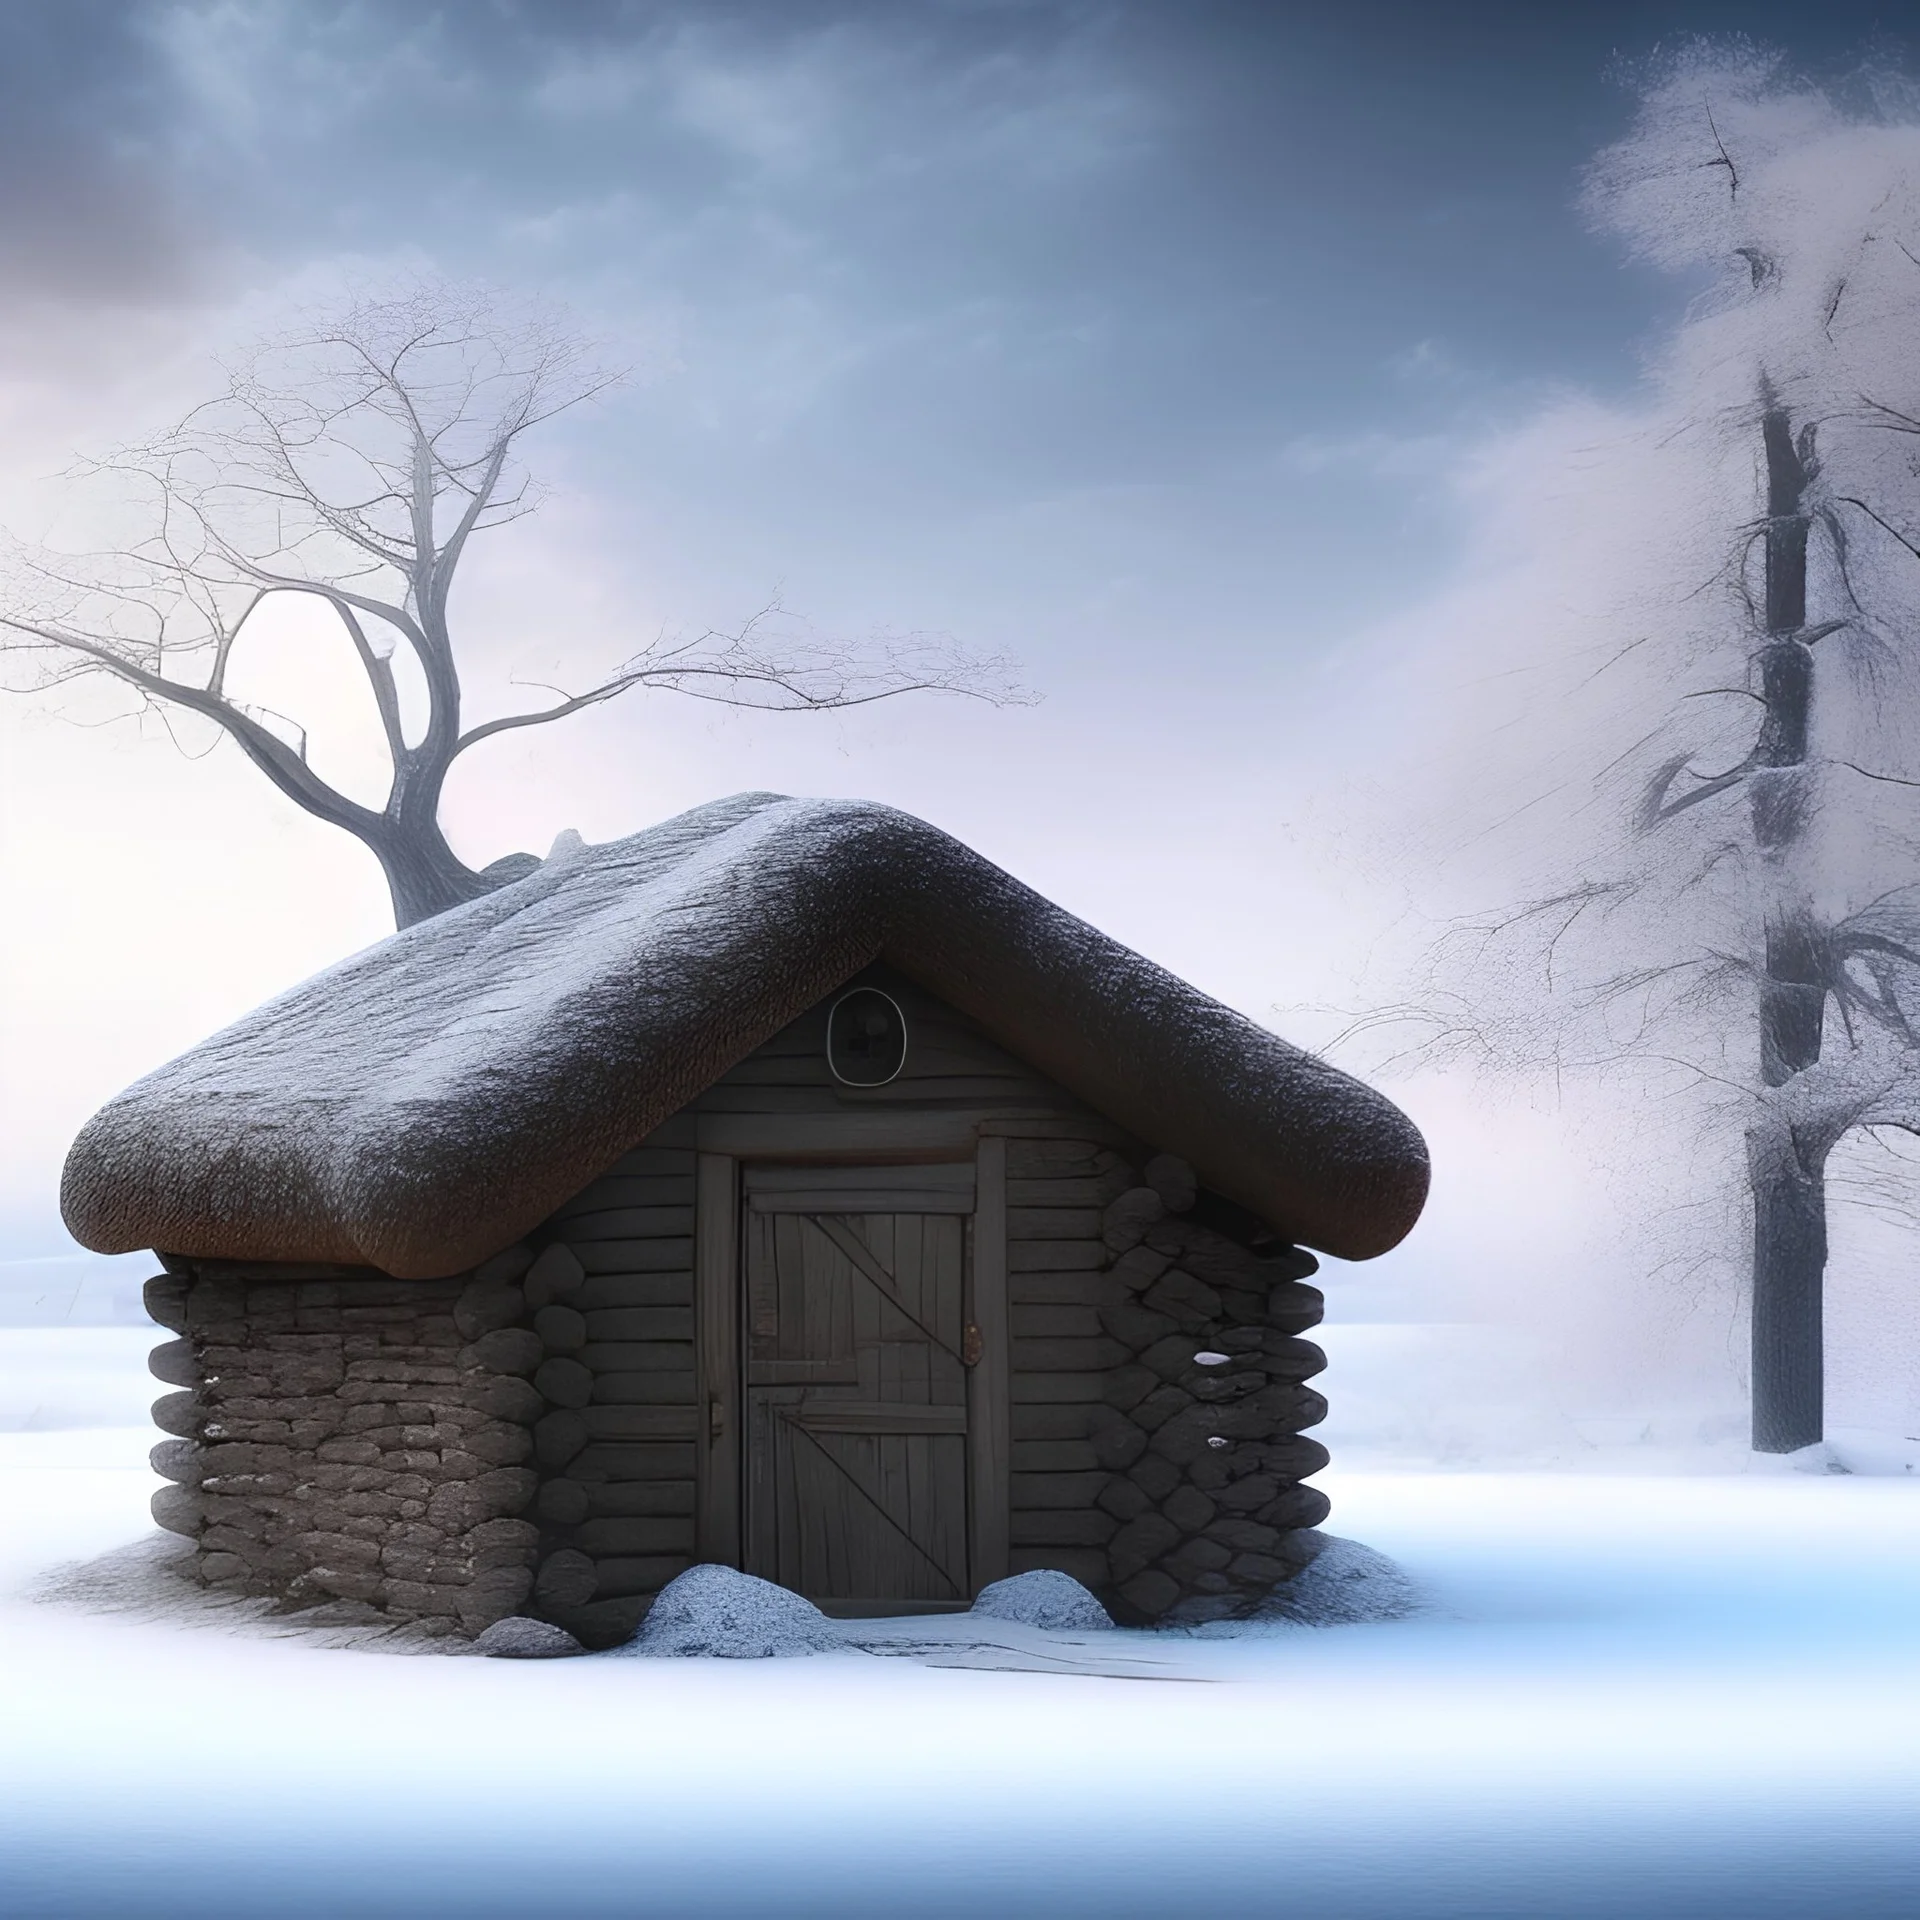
point(859, 1346)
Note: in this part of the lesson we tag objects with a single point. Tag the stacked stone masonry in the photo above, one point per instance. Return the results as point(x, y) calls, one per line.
point(1158, 1388)
point(523, 1439)
point(342, 1438)
point(449, 1452)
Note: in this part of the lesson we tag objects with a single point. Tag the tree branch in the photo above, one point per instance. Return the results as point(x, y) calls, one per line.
point(798, 683)
point(1847, 499)
point(286, 768)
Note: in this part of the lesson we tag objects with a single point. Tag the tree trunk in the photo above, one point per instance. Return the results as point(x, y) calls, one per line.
point(1789, 1200)
point(1789, 1270)
point(425, 876)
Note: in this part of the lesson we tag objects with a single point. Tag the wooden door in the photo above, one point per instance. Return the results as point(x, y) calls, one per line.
point(858, 1344)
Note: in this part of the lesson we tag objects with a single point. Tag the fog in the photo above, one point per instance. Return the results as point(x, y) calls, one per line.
point(1255, 382)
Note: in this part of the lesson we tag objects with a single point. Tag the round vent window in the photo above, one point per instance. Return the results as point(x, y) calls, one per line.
point(866, 1038)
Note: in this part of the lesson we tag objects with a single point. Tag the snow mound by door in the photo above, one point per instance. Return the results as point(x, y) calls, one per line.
point(718, 1613)
point(1044, 1598)
point(1346, 1585)
point(519, 1638)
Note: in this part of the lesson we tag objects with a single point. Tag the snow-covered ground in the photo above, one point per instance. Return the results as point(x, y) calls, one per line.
point(1643, 1695)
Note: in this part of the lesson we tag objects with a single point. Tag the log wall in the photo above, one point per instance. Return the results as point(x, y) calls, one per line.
point(524, 1438)
point(616, 1503)
point(1169, 1485)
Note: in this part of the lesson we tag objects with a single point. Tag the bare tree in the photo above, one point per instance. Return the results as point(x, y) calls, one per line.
point(354, 460)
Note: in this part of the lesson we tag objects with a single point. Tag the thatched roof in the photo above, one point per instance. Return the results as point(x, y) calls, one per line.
point(429, 1100)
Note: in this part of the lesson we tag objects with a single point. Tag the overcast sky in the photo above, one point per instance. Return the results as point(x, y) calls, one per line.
point(1146, 343)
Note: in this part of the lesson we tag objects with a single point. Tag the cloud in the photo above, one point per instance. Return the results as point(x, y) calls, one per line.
point(87, 111)
point(1424, 456)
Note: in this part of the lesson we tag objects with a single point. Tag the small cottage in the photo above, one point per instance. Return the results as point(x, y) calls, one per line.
point(785, 1186)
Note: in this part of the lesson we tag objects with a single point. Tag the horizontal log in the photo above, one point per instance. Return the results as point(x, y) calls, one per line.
point(1053, 1223)
point(637, 1356)
point(1051, 1421)
point(654, 1160)
point(1079, 1190)
point(1057, 1389)
point(184, 1461)
point(563, 1382)
point(1083, 1288)
point(839, 1131)
point(563, 1503)
point(622, 1577)
point(628, 1223)
point(165, 1299)
point(562, 1329)
point(635, 1256)
point(612, 1461)
point(178, 1509)
point(173, 1363)
point(607, 1539)
point(630, 1422)
point(559, 1437)
point(640, 1323)
point(180, 1413)
point(642, 1389)
point(1087, 1529)
point(639, 1499)
point(1034, 1492)
point(1055, 1321)
point(1098, 1355)
point(1054, 1256)
point(1064, 1122)
point(566, 1579)
point(1054, 1456)
point(631, 1190)
point(1061, 1157)
point(1088, 1565)
point(609, 1290)
point(768, 1067)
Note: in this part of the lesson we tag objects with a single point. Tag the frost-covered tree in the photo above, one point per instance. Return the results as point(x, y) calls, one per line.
point(354, 460)
point(1808, 351)
point(1736, 886)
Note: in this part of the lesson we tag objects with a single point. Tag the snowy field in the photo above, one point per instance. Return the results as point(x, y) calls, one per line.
point(1674, 1694)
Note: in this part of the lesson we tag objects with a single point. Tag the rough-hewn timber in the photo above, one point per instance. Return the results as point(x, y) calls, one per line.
point(539, 1435)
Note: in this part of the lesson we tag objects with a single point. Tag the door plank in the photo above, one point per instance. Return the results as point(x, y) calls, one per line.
point(855, 1461)
point(816, 1415)
point(863, 1261)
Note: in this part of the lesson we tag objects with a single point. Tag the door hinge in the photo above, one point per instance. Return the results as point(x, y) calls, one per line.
point(716, 1417)
point(970, 1345)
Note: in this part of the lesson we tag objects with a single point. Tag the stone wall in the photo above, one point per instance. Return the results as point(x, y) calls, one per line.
point(1158, 1386)
point(521, 1439)
point(348, 1440)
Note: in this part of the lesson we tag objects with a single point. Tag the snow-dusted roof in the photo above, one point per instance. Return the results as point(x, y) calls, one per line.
point(427, 1101)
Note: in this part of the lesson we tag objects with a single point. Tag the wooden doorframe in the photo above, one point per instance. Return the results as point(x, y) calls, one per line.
point(716, 1357)
point(989, 1382)
point(717, 1292)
